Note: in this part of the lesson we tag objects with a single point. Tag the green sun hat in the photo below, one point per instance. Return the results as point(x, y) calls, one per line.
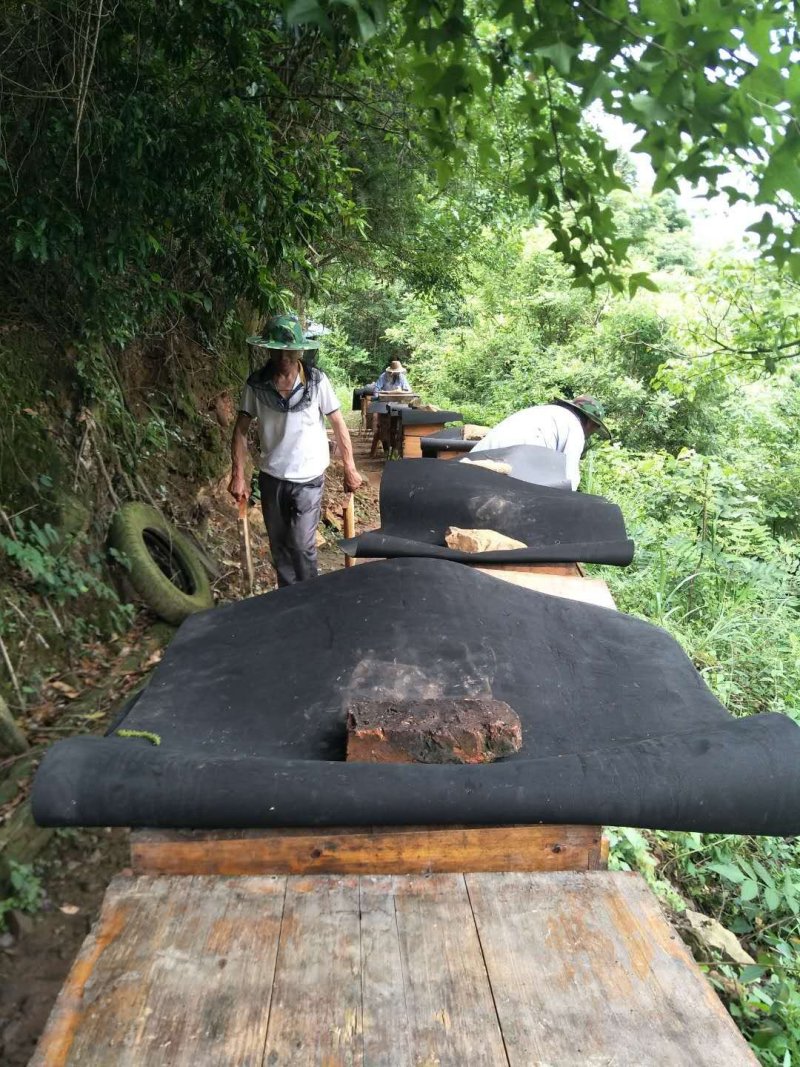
point(283, 332)
point(591, 408)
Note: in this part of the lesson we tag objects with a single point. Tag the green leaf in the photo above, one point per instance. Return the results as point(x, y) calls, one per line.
point(301, 12)
point(749, 890)
point(559, 54)
point(772, 898)
point(727, 871)
point(641, 280)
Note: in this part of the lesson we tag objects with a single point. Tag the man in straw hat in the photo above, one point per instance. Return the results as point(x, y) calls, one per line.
point(291, 399)
point(564, 426)
point(393, 380)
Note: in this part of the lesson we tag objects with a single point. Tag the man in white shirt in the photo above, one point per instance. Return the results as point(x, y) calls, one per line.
point(563, 426)
point(291, 399)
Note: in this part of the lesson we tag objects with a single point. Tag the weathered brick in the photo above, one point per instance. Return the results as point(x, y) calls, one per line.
point(465, 730)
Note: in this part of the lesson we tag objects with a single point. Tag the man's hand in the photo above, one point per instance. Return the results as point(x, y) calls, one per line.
point(238, 487)
point(352, 480)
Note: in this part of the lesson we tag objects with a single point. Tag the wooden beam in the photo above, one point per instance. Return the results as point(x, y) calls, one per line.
point(572, 570)
point(412, 439)
point(586, 590)
point(371, 850)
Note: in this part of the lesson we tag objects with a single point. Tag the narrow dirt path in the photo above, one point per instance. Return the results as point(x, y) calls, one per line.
point(77, 865)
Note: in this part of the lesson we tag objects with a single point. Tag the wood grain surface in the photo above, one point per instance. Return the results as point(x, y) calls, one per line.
point(595, 975)
point(571, 587)
point(378, 850)
point(513, 970)
point(569, 570)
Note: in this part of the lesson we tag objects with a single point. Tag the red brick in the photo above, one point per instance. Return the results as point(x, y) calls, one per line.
point(465, 730)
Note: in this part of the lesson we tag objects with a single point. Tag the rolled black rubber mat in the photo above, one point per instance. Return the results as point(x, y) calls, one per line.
point(450, 439)
point(420, 499)
point(249, 704)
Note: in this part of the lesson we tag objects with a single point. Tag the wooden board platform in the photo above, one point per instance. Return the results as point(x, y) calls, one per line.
point(478, 970)
point(569, 570)
point(586, 590)
point(412, 438)
point(369, 850)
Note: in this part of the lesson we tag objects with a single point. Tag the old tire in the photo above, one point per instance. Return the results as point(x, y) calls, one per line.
point(165, 570)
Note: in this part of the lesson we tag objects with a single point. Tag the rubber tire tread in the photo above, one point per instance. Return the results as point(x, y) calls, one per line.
point(157, 591)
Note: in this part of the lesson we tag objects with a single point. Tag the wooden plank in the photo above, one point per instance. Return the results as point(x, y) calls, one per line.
point(586, 590)
point(598, 857)
point(412, 435)
point(315, 1016)
point(372, 850)
point(177, 970)
point(385, 1019)
point(585, 969)
point(448, 1004)
point(571, 570)
point(483, 969)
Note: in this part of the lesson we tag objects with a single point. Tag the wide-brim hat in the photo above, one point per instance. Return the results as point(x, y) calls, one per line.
point(395, 367)
point(283, 333)
point(588, 406)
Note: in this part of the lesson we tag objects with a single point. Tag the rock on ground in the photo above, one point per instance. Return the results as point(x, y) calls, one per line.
point(480, 540)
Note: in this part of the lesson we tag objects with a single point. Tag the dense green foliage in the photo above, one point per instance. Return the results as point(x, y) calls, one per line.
point(206, 160)
point(707, 84)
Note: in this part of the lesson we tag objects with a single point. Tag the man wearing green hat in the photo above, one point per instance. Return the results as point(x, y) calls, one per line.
point(564, 426)
point(291, 399)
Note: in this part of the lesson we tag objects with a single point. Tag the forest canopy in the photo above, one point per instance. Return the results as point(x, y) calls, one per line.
point(430, 182)
point(158, 160)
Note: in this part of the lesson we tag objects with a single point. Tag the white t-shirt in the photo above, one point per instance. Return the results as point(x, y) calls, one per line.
point(294, 444)
point(549, 426)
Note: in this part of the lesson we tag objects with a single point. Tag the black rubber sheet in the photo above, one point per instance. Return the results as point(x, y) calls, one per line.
point(381, 407)
point(450, 439)
point(358, 392)
point(414, 417)
point(531, 463)
point(249, 703)
point(421, 498)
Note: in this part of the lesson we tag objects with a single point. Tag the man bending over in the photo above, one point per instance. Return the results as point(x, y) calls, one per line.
point(564, 426)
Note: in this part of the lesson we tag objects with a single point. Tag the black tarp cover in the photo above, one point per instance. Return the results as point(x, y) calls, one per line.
point(381, 407)
point(421, 498)
point(415, 417)
point(531, 463)
point(250, 699)
point(358, 392)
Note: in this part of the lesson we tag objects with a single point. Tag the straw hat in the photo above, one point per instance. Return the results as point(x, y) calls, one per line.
point(395, 367)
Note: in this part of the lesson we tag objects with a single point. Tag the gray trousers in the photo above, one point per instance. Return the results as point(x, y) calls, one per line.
point(291, 515)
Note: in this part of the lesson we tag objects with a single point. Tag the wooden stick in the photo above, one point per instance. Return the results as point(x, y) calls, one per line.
point(12, 674)
point(245, 552)
point(349, 524)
